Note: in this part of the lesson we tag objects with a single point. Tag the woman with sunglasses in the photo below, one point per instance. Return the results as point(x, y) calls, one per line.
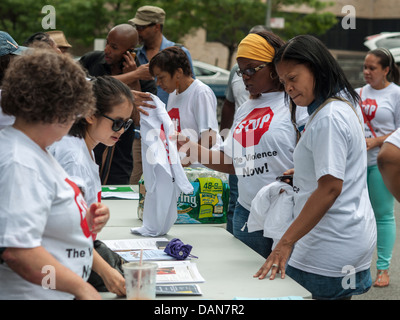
point(260, 145)
point(114, 106)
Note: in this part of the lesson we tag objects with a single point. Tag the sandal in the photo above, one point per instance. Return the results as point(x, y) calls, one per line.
point(382, 279)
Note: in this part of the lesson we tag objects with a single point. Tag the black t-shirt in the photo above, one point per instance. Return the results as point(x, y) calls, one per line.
point(122, 161)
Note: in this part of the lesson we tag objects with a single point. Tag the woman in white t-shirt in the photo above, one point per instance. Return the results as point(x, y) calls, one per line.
point(328, 248)
point(260, 145)
point(114, 106)
point(46, 228)
point(380, 99)
point(192, 105)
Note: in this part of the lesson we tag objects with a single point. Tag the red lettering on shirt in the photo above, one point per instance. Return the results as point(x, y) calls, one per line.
point(250, 130)
point(176, 118)
point(82, 206)
point(163, 138)
point(369, 107)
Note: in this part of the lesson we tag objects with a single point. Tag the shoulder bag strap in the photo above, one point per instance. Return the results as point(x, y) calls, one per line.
point(106, 160)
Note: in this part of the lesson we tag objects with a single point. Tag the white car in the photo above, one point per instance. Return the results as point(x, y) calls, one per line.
point(216, 78)
point(388, 40)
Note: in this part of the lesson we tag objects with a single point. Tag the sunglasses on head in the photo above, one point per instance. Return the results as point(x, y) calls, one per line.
point(119, 124)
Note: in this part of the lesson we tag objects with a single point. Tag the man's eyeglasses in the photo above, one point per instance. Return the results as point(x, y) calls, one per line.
point(141, 28)
point(118, 124)
point(250, 72)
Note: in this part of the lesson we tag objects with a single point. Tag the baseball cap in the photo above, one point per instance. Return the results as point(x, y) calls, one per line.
point(9, 46)
point(148, 14)
point(59, 38)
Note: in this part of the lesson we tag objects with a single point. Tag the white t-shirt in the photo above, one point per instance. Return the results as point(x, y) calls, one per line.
point(382, 109)
point(261, 144)
point(394, 138)
point(39, 206)
point(73, 155)
point(194, 110)
point(164, 177)
point(333, 144)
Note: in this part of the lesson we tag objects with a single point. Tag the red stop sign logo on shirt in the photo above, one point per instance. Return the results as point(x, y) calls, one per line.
point(163, 138)
point(82, 206)
point(176, 119)
point(369, 107)
point(250, 130)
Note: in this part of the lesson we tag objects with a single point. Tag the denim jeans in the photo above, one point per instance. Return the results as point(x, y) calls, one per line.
point(255, 240)
point(233, 195)
point(331, 288)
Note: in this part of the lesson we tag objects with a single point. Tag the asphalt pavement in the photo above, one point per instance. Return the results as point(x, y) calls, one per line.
point(392, 292)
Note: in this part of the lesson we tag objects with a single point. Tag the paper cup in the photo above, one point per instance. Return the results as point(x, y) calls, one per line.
point(140, 280)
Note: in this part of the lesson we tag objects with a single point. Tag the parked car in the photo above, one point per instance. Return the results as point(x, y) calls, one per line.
point(388, 40)
point(216, 78)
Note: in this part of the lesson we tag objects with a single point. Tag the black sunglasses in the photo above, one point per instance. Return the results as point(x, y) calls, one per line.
point(141, 28)
point(118, 124)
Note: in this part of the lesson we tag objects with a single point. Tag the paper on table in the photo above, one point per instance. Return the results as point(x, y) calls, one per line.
point(177, 272)
point(178, 289)
point(120, 195)
point(125, 192)
point(132, 244)
point(148, 255)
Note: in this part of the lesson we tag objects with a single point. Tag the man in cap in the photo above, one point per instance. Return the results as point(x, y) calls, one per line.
point(8, 49)
point(149, 22)
point(60, 39)
point(116, 59)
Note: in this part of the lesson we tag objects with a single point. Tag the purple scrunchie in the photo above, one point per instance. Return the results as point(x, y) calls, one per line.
point(177, 249)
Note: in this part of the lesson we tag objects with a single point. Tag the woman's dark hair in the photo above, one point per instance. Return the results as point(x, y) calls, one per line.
point(386, 60)
point(276, 42)
point(329, 76)
point(108, 93)
point(4, 62)
point(38, 36)
point(169, 60)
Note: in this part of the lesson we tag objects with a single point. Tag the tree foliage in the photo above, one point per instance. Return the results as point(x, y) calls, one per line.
point(226, 21)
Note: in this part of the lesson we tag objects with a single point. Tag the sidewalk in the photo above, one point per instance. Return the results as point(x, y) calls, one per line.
point(392, 292)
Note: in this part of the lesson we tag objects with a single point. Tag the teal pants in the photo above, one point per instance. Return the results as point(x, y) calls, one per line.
point(383, 204)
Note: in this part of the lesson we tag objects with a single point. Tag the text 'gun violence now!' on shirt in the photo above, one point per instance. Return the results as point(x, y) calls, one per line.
point(261, 144)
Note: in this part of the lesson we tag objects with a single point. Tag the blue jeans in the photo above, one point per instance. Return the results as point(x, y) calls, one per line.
point(255, 240)
point(233, 195)
point(331, 288)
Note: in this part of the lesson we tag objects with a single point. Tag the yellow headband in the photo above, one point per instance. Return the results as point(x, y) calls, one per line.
point(255, 47)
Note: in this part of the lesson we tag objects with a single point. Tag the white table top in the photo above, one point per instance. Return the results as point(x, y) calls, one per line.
point(226, 264)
